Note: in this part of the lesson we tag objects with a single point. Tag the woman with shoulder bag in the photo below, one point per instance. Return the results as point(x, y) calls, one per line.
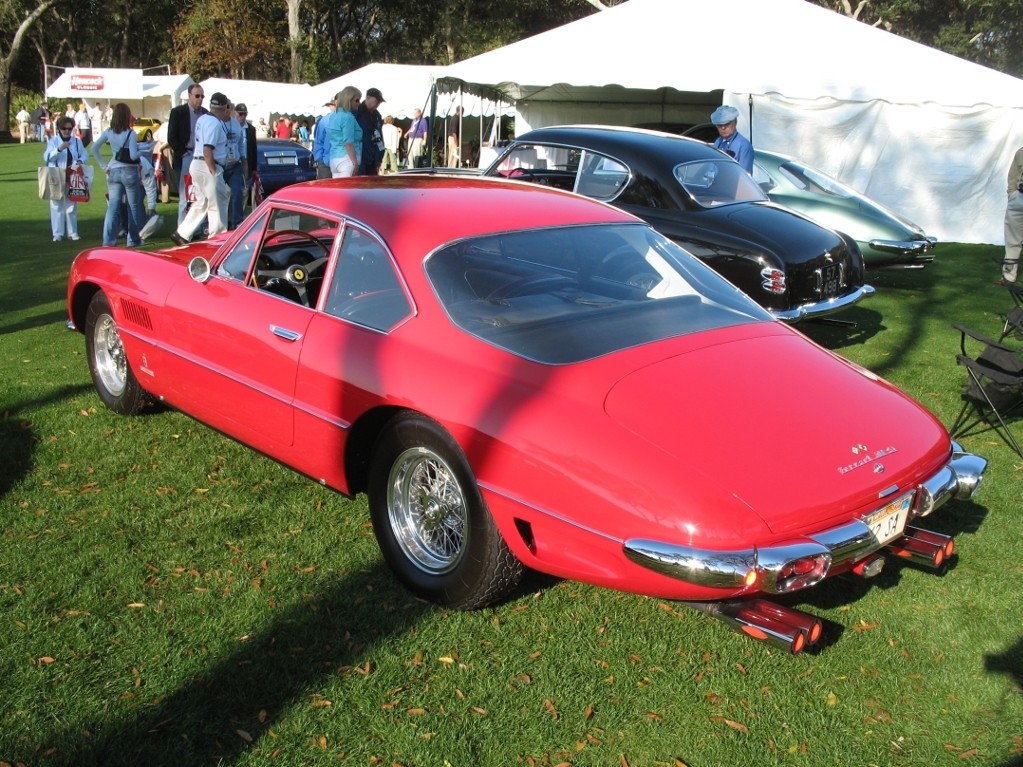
point(66, 151)
point(123, 177)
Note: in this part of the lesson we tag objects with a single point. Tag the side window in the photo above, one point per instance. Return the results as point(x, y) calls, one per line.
point(365, 288)
point(601, 177)
point(555, 166)
point(236, 265)
point(284, 253)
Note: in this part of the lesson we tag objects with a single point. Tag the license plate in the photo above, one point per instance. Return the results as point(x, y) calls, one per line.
point(831, 280)
point(888, 523)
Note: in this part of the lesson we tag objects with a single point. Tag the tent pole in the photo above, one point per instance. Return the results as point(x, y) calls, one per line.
point(751, 118)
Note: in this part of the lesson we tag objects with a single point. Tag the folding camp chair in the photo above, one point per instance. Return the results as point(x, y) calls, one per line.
point(993, 387)
point(1014, 317)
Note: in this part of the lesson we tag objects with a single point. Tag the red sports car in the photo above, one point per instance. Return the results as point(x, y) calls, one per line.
point(523, 378)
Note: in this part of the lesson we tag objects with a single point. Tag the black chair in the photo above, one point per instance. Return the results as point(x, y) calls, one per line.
point(1014, 317)
point(993, 387)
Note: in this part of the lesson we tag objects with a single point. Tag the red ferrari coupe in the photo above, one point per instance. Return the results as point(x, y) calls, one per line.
point(520, 377)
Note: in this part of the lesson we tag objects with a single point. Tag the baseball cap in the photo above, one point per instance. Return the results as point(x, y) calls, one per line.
point(218, 101)
point(375, 93)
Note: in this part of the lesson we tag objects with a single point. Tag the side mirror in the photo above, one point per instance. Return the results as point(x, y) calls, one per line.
point(199, 269)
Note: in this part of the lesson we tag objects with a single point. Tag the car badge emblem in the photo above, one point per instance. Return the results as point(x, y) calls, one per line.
point(879, 468)
point(828, 258)
point(857, 449)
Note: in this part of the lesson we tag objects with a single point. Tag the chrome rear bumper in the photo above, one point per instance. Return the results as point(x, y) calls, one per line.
point(822, 308)
point(835, 549)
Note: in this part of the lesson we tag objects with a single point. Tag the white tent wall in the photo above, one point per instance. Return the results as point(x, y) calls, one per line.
point(942, 167)
point(926, 133)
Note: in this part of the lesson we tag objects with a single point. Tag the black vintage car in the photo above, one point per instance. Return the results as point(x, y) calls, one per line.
point(703, 200)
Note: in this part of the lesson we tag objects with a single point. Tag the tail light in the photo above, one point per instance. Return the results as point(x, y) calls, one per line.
point(774, 280)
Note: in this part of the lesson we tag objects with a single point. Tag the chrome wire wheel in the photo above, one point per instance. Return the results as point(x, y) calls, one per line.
point(108, 356)
point(427, 510)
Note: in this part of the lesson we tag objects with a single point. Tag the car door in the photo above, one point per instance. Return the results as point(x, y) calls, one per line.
point(238, 337)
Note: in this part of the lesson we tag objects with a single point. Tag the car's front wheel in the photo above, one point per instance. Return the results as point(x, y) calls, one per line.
point(430, 520)
point(111, 373)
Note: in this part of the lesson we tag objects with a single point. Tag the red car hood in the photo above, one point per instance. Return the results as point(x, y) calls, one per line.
point(797, 434)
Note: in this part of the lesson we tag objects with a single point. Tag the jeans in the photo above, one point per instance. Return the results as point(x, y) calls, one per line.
point(235, 179)
point(186, 161)
point(123, 181)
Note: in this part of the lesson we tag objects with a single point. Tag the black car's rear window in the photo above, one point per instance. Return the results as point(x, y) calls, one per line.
point(569, 294)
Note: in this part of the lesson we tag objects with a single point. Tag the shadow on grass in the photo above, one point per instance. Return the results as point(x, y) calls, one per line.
point(218, 716)
point(17, 437)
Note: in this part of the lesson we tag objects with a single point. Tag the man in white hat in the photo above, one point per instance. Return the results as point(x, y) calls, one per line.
point(729, 140)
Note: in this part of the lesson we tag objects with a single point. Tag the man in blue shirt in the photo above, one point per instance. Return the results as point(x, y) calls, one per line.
point(729, 140)
point(321, 142)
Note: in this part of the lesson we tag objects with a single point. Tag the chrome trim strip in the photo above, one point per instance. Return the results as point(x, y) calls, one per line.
point(821, 308)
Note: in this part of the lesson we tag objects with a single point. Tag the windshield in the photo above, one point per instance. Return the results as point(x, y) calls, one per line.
point(574, 293)
point(718, 182)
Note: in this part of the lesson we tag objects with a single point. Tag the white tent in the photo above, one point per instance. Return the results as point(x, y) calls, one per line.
point(405, 87)
point(146, 95)
point(262, 98)
point(927, 133)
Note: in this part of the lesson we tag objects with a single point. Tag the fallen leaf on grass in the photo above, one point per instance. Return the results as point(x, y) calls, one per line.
point(550, 707)
point(46, 659)
point(733, 724)
point(832, 699)
point(864, 626)
point(244, 736)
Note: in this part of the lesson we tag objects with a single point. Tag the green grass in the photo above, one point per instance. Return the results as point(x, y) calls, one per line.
point(168, 597)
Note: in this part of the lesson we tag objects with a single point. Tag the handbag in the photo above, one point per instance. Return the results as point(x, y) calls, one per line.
point(77, 185)
point(51, 183)
point(123, 155)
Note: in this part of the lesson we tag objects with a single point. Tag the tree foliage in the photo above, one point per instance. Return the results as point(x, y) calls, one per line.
point(313, 40)
point(988, 32)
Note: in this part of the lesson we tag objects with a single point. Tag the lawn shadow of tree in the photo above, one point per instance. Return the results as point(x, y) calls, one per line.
point(219, 715)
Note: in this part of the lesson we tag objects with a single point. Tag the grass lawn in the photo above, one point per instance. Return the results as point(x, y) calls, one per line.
point(168, 597)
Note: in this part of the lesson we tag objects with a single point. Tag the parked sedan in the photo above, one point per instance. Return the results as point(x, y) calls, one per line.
point(281, 162)
point(703, 200)
point(520, 377)
point(885, 238)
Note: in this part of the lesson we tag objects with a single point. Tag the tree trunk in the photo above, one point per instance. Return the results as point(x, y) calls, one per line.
point(7, 62)
point(296, 41)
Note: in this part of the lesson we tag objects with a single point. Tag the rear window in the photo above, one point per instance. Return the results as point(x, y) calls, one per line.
point(569, 294)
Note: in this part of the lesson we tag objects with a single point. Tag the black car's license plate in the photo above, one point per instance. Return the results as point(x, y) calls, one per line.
point(830, 279)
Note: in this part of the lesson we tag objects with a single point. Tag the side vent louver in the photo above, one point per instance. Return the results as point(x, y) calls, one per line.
point(136, 314)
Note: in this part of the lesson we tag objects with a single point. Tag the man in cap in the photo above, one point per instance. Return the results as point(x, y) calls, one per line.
point(213, 195)
point(372, 125)
point(729, 140)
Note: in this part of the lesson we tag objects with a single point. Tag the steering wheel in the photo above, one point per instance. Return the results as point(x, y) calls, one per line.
point(298, 276)
point(296, 233)
point(524, 173)
point(531, 284)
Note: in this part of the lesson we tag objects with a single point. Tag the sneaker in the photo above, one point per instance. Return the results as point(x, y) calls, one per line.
point(57, 239)
point(178, 239)
point(151, 227)
point(75, 237)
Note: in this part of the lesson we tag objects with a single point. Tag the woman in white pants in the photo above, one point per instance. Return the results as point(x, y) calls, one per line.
point(66, 151)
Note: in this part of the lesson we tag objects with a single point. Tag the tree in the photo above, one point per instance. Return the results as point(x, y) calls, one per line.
point(11, 18)
point(988, 33)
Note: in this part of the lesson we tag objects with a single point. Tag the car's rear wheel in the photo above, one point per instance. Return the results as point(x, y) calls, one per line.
point(111, 374)
point(430, 520)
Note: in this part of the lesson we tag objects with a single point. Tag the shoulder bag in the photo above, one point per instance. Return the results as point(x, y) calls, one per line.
point(51, 183)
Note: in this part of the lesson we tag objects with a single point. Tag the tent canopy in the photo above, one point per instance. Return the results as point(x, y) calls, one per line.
point(262, 98)
point(927, 133)
point(146, 95)
point(406, 87)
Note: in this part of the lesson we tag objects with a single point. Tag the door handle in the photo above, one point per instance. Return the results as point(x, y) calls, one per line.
point(287, 335)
